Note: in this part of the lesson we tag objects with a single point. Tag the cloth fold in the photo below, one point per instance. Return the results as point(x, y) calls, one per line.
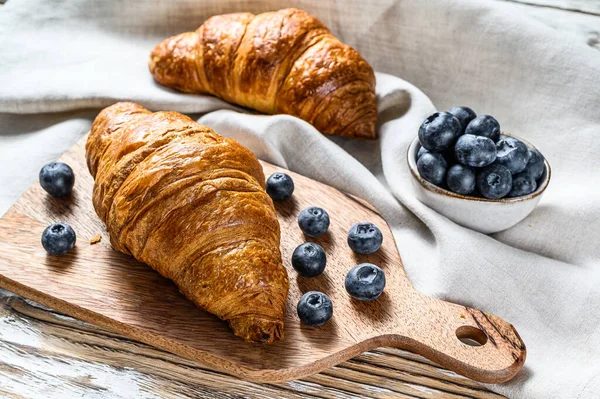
point(61, 63)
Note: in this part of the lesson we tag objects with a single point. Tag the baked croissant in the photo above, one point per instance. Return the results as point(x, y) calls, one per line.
point(283, 62)
point(192, 205)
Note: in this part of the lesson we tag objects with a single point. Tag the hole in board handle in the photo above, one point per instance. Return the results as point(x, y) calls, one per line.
point(471, 336)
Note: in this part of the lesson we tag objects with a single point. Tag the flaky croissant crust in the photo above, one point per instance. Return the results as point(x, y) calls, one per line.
point(276, 62)
point(192, 205)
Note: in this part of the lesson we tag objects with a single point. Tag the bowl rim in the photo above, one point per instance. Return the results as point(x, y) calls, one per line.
point(412, 165)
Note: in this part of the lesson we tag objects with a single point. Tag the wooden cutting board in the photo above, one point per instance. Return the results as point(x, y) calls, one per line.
point(99, 285)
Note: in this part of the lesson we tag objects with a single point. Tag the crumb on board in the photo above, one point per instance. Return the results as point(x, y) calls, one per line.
point(462, 316)
point(96, 239)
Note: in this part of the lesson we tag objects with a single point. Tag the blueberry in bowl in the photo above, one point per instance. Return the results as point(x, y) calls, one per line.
point(485, 126)
point(364, 238)
point(313, 221)
point(439, 131)
point(523, 183)
point(461, 179)
point(464, 115)
point(314, 309)
point(432, 166)
point(309, 259)
point(488, 186)
point(512, 153)
point(494, 181)
point(57, 179)
point(535, 164)
point(475, 151)
point(280, 186)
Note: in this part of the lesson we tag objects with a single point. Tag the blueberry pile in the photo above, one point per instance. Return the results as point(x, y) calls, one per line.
point(364, 282)
point(468, 155)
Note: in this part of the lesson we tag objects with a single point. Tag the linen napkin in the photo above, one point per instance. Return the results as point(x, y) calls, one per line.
point(60, 62)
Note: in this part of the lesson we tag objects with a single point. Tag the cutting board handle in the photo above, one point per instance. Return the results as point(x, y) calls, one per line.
point(473, 343)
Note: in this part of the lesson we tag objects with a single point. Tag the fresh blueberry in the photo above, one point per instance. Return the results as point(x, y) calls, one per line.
point(486, 126)
point(280, 186)
point(364, 238)
point(58, 239)
point(314, 308)
point(57, 179)
point(365, 282)
point(432, 167)
point(522, 184)
point(464, 116)
point(494, 181)
point(422, 150)
point(476, 151)
point(513, 154)
point(313, 221)
point(309, 259)
point(535, 164)
point(461, 179)
point(439, 131)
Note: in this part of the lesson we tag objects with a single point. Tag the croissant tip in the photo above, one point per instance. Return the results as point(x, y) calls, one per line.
point(256, 328)
point(364, 130)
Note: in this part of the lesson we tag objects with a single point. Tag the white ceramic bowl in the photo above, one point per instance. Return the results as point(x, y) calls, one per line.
point(481, 214)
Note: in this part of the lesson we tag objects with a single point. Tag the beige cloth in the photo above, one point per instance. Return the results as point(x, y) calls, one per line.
point(543, 275)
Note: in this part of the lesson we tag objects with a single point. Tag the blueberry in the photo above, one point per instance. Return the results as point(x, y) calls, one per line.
point(58, 239)
point(522, 184)
point(432, 167)
point(461, 179)
point(464, 116)
point(513, 154)
point(439, 131)
point(57, 179)
point(309, 259)
point(535, 164)
point(476, 151)
point(494, 181)
point(364, 238)
point(280, 186)
point(314, 308)
point(486, 126)
point(422, 150)
point(313, 221)
point(365, 282)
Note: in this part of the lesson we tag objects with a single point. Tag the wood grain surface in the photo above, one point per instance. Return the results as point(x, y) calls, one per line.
point(44, 354)
point(47, 355)
point(102, 286)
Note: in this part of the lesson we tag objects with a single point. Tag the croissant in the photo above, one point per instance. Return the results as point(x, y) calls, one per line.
point(283, 62)
point(192, 205)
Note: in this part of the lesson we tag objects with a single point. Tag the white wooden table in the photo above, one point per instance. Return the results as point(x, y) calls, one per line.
point(47, 355)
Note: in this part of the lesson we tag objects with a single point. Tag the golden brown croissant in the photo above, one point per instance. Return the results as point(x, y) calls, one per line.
point(283, 62)
point(192, 205)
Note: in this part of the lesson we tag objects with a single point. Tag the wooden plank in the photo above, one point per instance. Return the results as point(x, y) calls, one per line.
point(42, 351)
